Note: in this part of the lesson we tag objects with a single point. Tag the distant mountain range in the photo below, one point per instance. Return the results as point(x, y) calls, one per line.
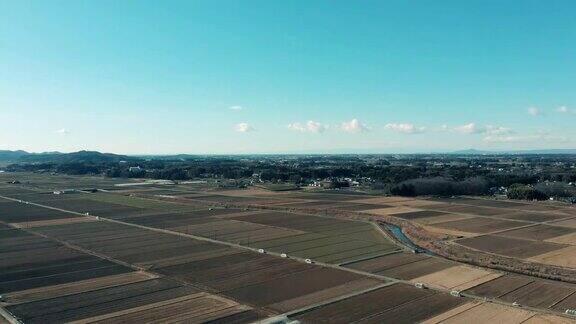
point(515, 152)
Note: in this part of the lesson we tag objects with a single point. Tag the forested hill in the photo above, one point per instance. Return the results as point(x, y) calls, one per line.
point(57, 157)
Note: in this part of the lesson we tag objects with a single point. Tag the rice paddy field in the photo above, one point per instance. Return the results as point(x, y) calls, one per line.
point(187, 253)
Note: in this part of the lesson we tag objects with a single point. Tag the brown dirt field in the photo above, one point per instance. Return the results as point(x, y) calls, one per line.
point(99, 302)
point(538, 232)
point(386, 262)
point(249, 316)
point(500, 286)
point(391, 211)
point(417, 269)
point(325, 196)
point(214, 274)
point(195, 308)
point(564, 239)
point(420, 203)
point(570, 211)
point(484, 202)
point(535, 207)
point(191, 257)
point(473, 210)
point(419, 214)
point(292, 286)
point(254, 192)
point(565, 257)
point(310, 244)
point(540, 294)
point(201, 269)
point(326, 294)
point(532, 216)
point(358, 307)
point(76, 287)
point(450, 232)
point(358, 206)
point(491, 313)
point(222, 227)
point(568, 223)
point(510, 246)
point(441, 219)
point(480, 225)
point(548, 319)
point(417, 310)
point(356, 254)
point(53, 222)
point(264, 234)
point(325, 251)
point(568, 303)
point(288, 240)
point(451, 313)
point(258, 276)
point(458, 277)
point(382, 200)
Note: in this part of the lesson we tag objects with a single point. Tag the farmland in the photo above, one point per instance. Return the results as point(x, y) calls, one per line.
point(127, 254)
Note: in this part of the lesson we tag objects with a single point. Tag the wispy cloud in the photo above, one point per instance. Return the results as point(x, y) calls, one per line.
point(497, 130)
point(503, 139)
point(310, 126)
point(565, 110)
point(63, 131)
point(541, 137)
point(354, 126)
point(405, 128)
point(534, 111)
point(243, 128)
point(488, 130)
point(469, 128)
point(236, 108)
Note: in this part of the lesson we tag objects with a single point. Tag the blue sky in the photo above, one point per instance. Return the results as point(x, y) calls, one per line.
point(287, 76)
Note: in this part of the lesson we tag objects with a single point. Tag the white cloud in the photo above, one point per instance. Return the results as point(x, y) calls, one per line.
point(539, 136)
point(310, 126)
point(534, 111)
point(503, 139)
point(236, 108)
point(354, 126)
point(298, 127)
point(565, 110)
point(63, 131)
point(243, 128)
point(405, 128)
point(470, 128)
point(497, 130)
point(488, 130)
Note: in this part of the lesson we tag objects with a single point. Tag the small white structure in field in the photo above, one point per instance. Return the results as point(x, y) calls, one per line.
point(261, 251)
point(419, 285)
point(308, 261)
point(456, 293)
point(283, 255)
